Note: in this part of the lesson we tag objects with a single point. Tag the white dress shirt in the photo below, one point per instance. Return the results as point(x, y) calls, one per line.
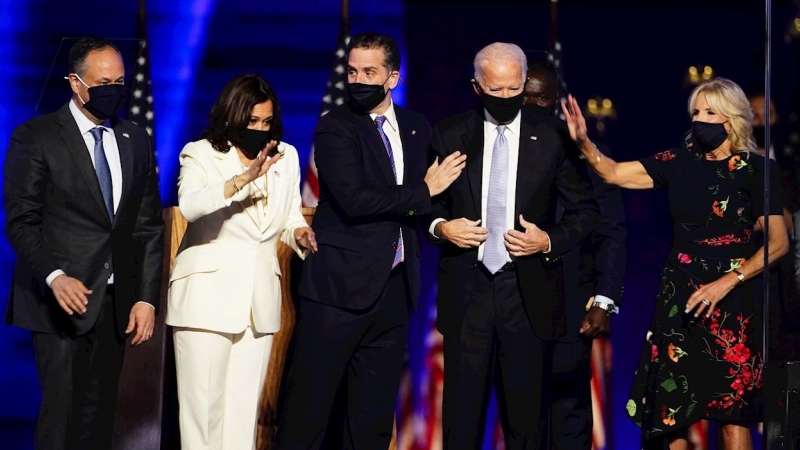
point(392, 131)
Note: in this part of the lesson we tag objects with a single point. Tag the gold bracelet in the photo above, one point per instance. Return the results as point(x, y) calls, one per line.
point(596, 158)
point(233, 183)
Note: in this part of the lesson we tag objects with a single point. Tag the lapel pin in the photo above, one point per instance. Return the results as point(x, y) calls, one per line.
point(126, 135)
point(533, 138)
point(413, 132)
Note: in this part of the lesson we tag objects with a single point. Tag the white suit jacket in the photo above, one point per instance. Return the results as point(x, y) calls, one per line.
point(226, 274)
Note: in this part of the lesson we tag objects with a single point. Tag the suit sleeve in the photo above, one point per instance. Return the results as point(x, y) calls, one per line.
point(609, 239)
point(149, 232)
point(580, 209)
point(337, 154)
point(25, 180)
point(442, 202)
point(295, 219)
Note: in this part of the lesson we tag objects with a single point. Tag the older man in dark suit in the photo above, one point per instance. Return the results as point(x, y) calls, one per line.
point(500, 276)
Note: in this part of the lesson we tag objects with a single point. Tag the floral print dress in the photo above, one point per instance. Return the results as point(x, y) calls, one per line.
point(697, 368)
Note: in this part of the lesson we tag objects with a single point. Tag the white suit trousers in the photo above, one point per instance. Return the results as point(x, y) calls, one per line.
point(220, 380)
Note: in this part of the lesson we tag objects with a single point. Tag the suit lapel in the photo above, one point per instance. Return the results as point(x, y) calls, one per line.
point(375, 146)
point(126, 161)
point(77, 148)
point(525, 163)
point(473, 146)
point(409, 152)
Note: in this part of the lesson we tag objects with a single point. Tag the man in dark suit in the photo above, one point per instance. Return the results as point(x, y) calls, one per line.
point(357, 289)
point(500, 274)
point(594, 270)
point(84, 217)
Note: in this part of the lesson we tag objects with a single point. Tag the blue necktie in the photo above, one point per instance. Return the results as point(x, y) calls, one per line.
point(398, 254)
point(494, 250)
point(103, 171)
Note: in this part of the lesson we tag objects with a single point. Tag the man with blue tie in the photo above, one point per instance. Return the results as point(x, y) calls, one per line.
point(500, 299)
point(83, 215)
point(358, 288)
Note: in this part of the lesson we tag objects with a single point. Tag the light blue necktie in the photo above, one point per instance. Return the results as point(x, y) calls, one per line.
point(103, 171)
point(494, 250)
point(379, 120)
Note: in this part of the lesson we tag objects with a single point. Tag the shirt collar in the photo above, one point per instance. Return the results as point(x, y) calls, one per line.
point(84, 124)
point(490, 123)
point(391, 117)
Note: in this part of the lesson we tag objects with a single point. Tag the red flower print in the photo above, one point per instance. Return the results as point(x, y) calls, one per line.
point(653, 353)
point(668, 155)
point(684, 258)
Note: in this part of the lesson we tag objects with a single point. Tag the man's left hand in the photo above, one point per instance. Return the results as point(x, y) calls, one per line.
point(143, 320)
point(596, 324)
point(533, 240)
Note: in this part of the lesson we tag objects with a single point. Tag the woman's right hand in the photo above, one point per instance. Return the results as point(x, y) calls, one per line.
point(261, 164)
point(575, 121)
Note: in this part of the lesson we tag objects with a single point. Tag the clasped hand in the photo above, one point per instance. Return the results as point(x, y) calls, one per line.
point(466, 233)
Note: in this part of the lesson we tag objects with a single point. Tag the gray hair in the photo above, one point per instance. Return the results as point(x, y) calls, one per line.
point(500, 53)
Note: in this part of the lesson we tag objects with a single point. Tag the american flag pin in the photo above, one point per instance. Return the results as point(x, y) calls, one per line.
point(126, 135)
point(533, 138)
point(413, 132)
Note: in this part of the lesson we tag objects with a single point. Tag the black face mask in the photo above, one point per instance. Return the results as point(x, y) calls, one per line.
point(759, 135)
point(366, 96)
point(253, 141)
point(541, 111)
point(105, 100)
point(708, 136)
point(502, 109)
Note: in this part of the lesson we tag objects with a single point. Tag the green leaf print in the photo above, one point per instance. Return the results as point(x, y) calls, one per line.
point(631, 407)
point(690, 410)
point(669, 385)
point(673, 311)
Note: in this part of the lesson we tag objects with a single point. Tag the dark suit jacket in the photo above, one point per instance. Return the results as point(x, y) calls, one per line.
point(597, 265)
point(56, 219)
point(544, 175)
point(361, 209)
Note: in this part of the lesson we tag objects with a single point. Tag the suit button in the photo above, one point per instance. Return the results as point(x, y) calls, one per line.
point(411, 213)
point(105, 266)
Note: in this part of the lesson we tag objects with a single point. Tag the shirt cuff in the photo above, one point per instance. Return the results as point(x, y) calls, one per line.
point(607, 301)
point(549, 243)
point(53, 276)
point(433, 227)
point(148, 304)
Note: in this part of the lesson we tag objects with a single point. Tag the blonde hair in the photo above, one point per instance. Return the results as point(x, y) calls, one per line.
point(503, 53)
point(726, 98)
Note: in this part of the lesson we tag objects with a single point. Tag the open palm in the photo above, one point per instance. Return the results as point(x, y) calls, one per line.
point(575, 120)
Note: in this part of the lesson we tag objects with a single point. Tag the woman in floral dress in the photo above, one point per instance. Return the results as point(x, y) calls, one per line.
point(703, 356)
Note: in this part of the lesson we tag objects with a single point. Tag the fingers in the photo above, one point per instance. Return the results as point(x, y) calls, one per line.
point(312, 242)
point(138, 338)
point(131, 324)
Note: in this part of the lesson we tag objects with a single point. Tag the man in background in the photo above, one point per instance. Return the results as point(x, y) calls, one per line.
point(593, 277)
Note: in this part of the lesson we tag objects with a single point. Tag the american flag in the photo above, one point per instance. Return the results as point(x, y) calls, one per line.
point(334, 95)
point(140, 106)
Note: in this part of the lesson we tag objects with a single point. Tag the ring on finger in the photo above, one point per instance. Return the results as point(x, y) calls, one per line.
point(705, 302)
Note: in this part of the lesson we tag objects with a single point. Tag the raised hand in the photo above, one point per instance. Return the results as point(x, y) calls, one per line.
point(575, 120)
point(440, 176)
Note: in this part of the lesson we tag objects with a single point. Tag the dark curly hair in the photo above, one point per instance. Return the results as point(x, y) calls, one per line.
point(231, 111)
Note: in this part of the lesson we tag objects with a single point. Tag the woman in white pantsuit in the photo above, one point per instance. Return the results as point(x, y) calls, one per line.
point(240, 192)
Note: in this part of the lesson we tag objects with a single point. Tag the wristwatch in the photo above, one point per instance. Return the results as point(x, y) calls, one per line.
point(607, 307)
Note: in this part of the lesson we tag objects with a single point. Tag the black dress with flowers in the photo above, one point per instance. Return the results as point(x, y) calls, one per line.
point(704, 368)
